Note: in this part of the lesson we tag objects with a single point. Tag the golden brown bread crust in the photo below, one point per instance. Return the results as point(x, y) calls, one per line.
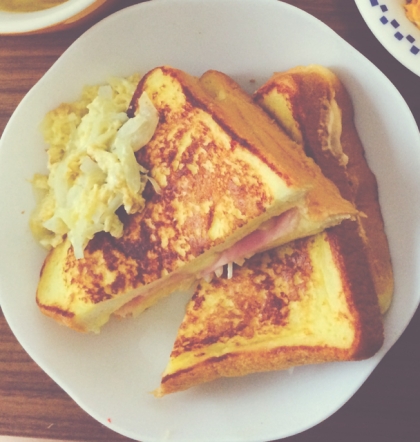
point(187, 184)
point(306, 87)
point(349, 252)
point(227, 319)
point(267, 316)
point(291, 167)
point(253, 125)
point(231, 364)
point(208, 192)
point(247, 126)
point(217, 182)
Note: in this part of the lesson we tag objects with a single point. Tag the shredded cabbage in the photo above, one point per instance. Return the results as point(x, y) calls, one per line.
point(92, 165)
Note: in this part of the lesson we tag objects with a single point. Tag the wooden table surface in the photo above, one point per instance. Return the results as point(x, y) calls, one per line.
point(387, 406)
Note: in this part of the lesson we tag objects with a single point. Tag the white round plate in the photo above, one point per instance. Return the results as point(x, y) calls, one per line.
point(111, 375)
point(388, 22)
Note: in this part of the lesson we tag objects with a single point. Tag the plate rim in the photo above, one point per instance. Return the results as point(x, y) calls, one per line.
point(74, 45)
point(385, 32)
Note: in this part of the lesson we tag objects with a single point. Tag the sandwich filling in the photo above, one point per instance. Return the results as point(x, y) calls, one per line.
point(272, 230)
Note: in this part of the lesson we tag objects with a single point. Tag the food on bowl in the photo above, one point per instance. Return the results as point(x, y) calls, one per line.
point(28, 5)
point(34, 17)
point(412, 10)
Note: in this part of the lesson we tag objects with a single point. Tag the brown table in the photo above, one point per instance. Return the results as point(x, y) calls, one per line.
point(386, 408)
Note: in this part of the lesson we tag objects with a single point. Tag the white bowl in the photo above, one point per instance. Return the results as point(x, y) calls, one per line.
point(111, 375)
point(399, 36)
point(55, 18)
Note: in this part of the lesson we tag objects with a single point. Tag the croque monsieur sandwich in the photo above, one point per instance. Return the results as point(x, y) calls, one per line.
point(314, 108)
point(312, 300)
point(230, 183)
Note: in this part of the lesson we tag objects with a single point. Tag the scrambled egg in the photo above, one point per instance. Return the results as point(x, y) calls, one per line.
point(412, 10)
point(92, 166)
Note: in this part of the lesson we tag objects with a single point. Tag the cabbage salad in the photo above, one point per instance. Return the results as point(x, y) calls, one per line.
point(92, 165)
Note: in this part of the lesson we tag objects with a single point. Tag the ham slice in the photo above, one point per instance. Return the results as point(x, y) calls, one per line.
point(256, 241)
point(268, 232)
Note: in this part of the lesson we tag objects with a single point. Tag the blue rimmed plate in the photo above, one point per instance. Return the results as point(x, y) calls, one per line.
point(389, 24)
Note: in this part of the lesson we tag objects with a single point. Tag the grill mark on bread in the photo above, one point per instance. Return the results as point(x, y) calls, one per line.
point(160, 240)
point(145, 251)
point(304, 87)
point(349, 252)
point(248, 362)
point(53, 310)
point(96, 289)
point(138, 241)
point(185, 371)
point(341, 309)
point(262, 307)
point(223, 123)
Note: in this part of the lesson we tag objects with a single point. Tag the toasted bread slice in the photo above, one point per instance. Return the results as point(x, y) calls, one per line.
point(217, 185)
point(320, 209)
point(307, 302)
point(313, 106)
point(310, 301)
